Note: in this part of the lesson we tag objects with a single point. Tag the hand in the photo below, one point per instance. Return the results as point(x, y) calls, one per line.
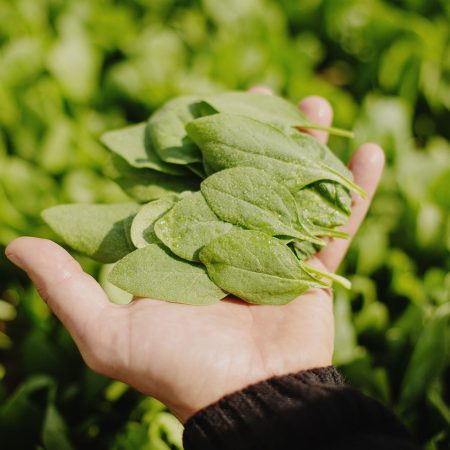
point(189, 357)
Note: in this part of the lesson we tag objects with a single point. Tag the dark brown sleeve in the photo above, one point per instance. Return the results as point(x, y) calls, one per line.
point(312, 409)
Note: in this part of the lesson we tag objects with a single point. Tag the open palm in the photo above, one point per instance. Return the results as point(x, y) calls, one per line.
point(186, 356)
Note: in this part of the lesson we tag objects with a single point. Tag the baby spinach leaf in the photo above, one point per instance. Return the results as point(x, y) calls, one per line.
point(142, 227)
point(144, 185)
point(256, 267)
point(314, 149)
point(335, 192)
point(318, 210)
point(269, 109)
point(188, 226)
point(95, 230)
point(303, 250)
point(132, 144)
point(229, 140)
point(153, 271)
point(168, 135)
point(252, 199)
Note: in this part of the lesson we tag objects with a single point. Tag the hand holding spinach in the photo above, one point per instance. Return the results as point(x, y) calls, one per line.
point(172, 351)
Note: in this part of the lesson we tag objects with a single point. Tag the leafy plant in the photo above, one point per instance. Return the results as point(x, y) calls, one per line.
point(240, 196)
point(152, 271)
point(71, 70)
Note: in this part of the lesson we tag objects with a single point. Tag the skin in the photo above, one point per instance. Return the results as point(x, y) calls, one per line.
point(190, 357)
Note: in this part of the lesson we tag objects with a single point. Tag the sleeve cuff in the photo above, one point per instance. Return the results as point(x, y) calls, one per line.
point(311, 408)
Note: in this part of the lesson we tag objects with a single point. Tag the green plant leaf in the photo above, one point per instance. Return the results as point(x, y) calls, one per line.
point(95, 230)
point(335, 192)
point(318, 210)
point(229, 140)
point(153, 271)
point(145, 185)
point(142, 232)
point(133, 144)
point(256, 267)
point(269, 109)
point(252, 199)
point(304, 249)
point(54, 430)
point(188, 226)
point(320, 152)
point(426, 362)
point(168, 135)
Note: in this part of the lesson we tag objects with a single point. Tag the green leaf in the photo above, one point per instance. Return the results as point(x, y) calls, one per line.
point(256, 267)
point(168, 135)
point(7, 311)
point(334, 192)
point(320, 152)
point(252, 199)
point(427, 361)
point(154, 272)
point(318, 210)
point(132, 143)
point(95, 230)
point(142, 232)
point(304, 249)
point(145, 185)
point(188, 226)
point(54, 431)
point(228, 141)
point(270, 109)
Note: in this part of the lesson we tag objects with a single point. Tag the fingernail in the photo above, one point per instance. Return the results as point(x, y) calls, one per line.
point(14, 259)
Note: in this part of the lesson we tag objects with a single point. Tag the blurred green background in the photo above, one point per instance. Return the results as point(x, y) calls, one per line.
point(71, 69)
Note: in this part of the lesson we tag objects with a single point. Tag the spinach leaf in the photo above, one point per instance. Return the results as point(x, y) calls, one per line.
point(154, 272)
point(188, 226)
point(314, 149)
point(252, 199)
point(95, 230)
point(318, 210)
point(132, 144)
point(144, 185)
point(256, 267)
point(229, 140)
point(168, 135)
point(142, 227)
point(335, 192)
point(269, 109)
point(303, 250)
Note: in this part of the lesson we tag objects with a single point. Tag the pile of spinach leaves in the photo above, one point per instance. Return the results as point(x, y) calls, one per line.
point(231, 197)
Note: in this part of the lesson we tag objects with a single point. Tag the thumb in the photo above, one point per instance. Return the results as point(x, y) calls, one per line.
point(73, 295)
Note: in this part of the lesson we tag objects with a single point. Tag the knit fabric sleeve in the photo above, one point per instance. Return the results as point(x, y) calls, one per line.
point(311, 409)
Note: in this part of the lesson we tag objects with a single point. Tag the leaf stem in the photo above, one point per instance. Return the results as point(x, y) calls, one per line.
point(342, 281)
point(331, 233)
point(332, 130)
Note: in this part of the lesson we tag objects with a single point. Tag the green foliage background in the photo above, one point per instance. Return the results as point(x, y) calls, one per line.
point(71, 69)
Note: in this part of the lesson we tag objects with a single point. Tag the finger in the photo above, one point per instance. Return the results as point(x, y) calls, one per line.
point(73, 295)
point(367, 166)
point(320, 112)
point(261, 90)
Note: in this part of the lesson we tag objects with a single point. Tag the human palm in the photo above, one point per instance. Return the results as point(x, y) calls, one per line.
point(186, 356)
